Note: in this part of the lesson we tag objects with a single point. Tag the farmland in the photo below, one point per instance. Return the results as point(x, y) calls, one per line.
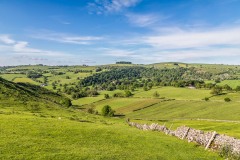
point(182, 101)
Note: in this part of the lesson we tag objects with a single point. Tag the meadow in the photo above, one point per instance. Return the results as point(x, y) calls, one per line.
point(106, 139)
point(34, 120)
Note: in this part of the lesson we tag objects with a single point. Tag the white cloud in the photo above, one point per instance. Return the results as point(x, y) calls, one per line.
point(117, 52)
point(142, 20)
point(106, 6)
point(175, 44)
point(22, 48)
point(194, 39)
point(66, 38)
point(6, 39)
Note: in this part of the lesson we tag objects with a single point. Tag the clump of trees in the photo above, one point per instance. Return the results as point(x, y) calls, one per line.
point(217, 90)
point(123, 62)
point(33, 75)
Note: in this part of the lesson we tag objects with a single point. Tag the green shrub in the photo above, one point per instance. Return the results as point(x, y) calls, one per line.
point(156, 94)
point(66, 102)
point(227, 99)
point(106, 96)
point(92, 110)
point(128, 93)
point(107, 111)
point(206, 99)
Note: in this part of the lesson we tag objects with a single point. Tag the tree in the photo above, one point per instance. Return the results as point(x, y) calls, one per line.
point(106, 96)
point(227, 99)
point(217, 80)
point(206, 99)
point(66, 102)
point(216, 90)
point(156, 94)
point(145, 88)
point(98, 69)
point(227, 87)
point(92, 110)
point(107, 111)
point(128, 93)
point(237, 88)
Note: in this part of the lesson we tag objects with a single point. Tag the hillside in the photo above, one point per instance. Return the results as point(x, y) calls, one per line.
point(27, 97)
point(33, 120)
point(174, 94)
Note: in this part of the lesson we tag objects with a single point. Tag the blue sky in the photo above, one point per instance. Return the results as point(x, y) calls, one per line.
point(75, 32)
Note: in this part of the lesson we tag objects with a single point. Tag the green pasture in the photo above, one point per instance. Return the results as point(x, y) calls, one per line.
point(11, 77)
point(87, 100)
point(126, 105)
point(234, 96)
point(25, 80)
point(231, 83)
point(175, 93)
point(180, 109)
point(53, 138)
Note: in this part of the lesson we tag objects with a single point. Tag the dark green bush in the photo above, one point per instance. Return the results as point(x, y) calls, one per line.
point(107, 111)
point(227, 99)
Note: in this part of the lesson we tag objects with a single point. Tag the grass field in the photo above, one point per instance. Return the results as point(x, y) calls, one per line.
point(179, 109)
point(107, 139)
point(234, 96)
point(11, 77)
point(74, 134)
point(25, 80)
point(231, 83)
point(87, 100)
point(175, 93)
point(126, 105)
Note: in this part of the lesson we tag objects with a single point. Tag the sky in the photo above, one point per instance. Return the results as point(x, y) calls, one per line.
point(94, 32)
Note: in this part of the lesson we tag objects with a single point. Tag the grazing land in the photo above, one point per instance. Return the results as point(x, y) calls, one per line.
point(62, 106)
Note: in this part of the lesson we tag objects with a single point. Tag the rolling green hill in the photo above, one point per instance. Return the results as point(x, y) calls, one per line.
point(33, 120)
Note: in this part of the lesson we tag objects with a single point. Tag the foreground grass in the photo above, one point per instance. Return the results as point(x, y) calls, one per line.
point(48, 138)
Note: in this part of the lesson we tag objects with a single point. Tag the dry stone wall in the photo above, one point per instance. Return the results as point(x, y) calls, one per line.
point(208, 139)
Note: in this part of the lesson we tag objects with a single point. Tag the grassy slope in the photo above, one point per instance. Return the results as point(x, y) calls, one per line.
point(51, 138)
point(126, 105)
point(190, 110)
point(54, 132)
point(25, 80)
point(11, 77)
point(176, 93)
point(231, 83)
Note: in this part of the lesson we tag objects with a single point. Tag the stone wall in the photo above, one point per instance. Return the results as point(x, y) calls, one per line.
point(206, 139)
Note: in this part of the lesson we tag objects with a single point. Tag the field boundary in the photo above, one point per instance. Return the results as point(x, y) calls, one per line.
point(211, 140)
